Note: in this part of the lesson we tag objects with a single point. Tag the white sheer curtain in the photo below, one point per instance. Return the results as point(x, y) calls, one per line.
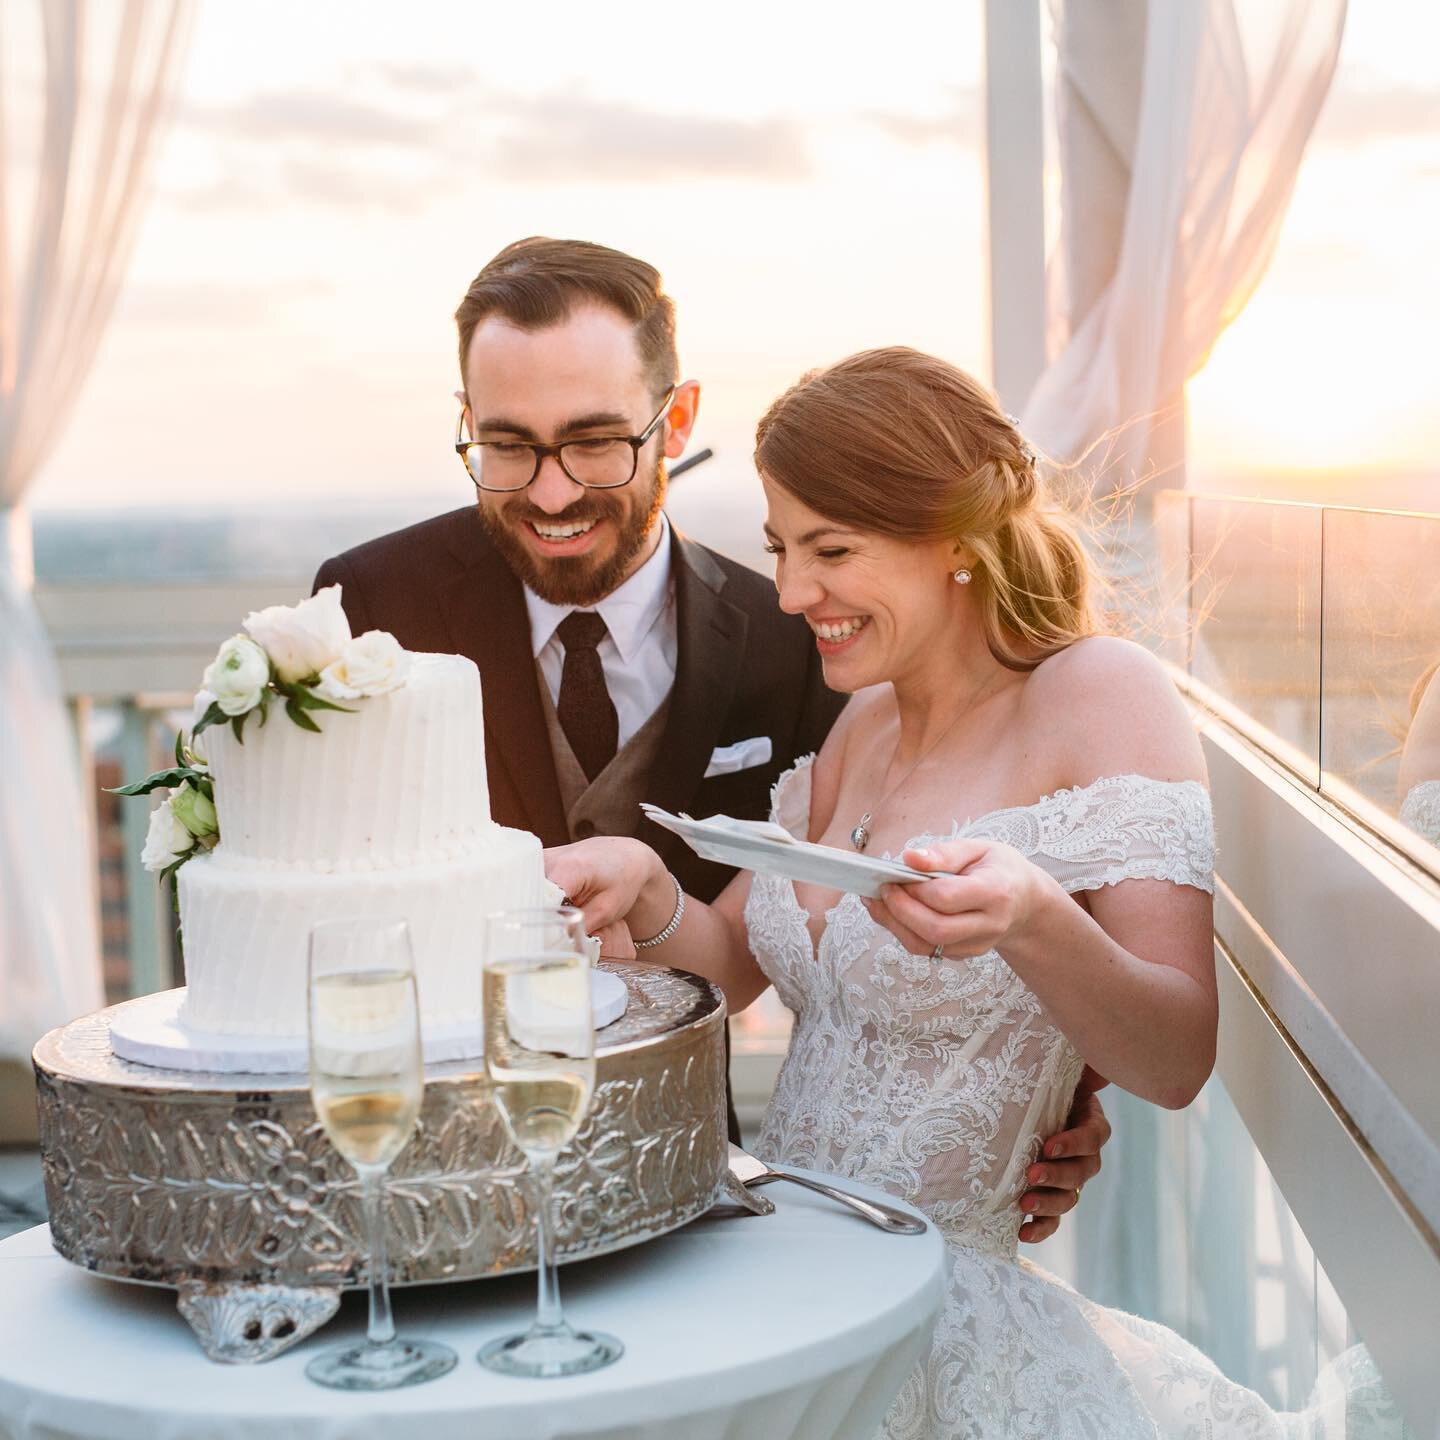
point(77, 134)
point(1182, 125)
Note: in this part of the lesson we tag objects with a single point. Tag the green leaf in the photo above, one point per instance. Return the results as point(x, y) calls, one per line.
point(168, 873)
point(179, 747)
point(311, 701)
point(237, 724)
point(160, 780)
point(213, 716)
point(264, 707)
point(205, 785)
point(293, 710)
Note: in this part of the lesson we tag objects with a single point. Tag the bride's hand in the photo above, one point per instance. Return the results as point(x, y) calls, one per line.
point(983, 893)
point(605, 877)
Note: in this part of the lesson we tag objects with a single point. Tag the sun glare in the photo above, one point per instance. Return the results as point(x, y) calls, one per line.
point(1303, 387)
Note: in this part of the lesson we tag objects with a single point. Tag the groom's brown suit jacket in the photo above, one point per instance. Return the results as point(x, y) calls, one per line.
point(743, 669)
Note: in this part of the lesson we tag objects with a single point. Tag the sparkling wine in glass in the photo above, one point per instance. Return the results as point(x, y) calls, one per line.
point(540, 1057)
point(366, 1083)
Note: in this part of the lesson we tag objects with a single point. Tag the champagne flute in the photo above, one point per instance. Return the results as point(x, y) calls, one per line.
point(366, 1082)
point(540, 1057)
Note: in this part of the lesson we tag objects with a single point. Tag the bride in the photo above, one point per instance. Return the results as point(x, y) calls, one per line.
point(1049, 778)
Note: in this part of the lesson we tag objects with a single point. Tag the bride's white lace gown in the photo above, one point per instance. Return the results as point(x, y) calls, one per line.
point(938, 1080)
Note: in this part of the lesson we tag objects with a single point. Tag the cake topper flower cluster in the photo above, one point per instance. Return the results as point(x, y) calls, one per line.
point(303, 655)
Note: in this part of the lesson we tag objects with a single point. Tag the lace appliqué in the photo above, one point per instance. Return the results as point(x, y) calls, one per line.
point(1420, 810)
point(937, 1080)
point(1121, 827)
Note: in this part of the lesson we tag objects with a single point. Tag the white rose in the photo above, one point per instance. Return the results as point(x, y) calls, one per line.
point(372, 664)
point(301, 640)
point(167, 840)
point(237, 676)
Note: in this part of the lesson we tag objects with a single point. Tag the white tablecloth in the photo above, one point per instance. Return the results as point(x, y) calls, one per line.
point(801, 1325)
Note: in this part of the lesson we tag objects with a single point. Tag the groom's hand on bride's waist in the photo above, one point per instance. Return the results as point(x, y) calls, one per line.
point(1066, 1162)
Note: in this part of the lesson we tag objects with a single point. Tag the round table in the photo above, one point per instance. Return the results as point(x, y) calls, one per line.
point(803, 1323)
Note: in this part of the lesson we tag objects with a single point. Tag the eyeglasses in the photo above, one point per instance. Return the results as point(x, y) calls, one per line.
point(598, 462)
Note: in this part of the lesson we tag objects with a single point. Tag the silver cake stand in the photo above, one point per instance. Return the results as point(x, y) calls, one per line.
point(225, 1188)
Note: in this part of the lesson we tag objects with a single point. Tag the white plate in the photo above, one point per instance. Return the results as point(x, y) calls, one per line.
point(771, 850)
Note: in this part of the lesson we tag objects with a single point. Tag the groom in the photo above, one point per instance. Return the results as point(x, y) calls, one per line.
point(620, 661)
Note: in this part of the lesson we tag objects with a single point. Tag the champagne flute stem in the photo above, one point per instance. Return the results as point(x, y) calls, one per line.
point(381, 1330)
point(547, 1314)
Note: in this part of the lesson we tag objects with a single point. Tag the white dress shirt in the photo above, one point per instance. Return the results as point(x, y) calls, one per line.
point(638, 653)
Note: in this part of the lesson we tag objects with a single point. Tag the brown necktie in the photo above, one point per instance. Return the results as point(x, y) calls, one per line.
point(585, 709)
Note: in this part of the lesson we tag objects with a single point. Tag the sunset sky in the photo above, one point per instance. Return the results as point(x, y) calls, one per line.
point(336, 174)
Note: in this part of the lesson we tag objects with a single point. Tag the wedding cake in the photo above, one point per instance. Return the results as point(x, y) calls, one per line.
point(358, 790)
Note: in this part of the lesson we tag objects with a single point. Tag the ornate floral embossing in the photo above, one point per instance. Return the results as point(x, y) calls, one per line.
point(150, 1179)
point(243, 1324)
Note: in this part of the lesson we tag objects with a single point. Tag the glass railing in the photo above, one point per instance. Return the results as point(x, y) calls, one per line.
point(1185, 1224)
point(1315, 631)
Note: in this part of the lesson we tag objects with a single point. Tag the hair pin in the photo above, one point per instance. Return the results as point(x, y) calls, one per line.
point(1026, 448)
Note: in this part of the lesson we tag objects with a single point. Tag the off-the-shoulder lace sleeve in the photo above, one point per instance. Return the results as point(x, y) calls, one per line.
point(1121, 827)
point(1421, 810)
point(790, 798)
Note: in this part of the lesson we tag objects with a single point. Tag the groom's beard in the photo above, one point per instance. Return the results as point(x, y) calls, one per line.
point(580, 580)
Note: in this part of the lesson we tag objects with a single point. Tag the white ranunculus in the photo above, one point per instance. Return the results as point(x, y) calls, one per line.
point(301, 640)
point(167, 840)
point(371, 664)
point(237, 676)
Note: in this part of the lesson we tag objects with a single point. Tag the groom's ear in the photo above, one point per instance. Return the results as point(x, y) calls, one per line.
point(680, 418)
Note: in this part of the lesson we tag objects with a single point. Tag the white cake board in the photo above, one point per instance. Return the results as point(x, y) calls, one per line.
point(150, 1032)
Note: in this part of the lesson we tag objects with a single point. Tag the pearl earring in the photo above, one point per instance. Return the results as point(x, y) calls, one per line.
point(962, 576)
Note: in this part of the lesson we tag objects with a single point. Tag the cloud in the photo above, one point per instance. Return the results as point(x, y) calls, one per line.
point(573, 138)
point(312, 148)
point(311, 117)
point(958, 124)
point(248, 187)
point(427, 80)
point(339, 149)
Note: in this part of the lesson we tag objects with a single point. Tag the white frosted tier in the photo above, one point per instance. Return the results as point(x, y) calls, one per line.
point(246, 928)
point(400, 781)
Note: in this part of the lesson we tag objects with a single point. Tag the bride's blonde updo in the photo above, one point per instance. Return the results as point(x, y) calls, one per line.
point(903, 444)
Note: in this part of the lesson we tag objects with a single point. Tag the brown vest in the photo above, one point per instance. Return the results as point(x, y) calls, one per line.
point(609, 804)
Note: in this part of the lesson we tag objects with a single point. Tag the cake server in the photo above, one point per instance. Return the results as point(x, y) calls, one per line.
point(751, 1171)
point(734, 1196)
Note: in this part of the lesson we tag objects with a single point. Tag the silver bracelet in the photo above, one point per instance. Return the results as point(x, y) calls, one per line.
point(675, 920)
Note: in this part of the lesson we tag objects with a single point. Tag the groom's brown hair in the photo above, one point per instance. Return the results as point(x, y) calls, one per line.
point(538, 282)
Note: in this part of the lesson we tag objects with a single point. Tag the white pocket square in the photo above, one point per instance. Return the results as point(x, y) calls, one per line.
point(742, 755)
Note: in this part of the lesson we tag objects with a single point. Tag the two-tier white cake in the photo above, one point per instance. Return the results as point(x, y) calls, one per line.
point(326, 777)
point(384, 814)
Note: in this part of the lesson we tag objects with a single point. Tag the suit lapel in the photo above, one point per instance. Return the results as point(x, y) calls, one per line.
point(484, 612)
point(710, 650)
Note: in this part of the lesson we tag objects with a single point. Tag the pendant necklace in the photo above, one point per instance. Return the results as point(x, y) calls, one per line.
point(860, 835)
